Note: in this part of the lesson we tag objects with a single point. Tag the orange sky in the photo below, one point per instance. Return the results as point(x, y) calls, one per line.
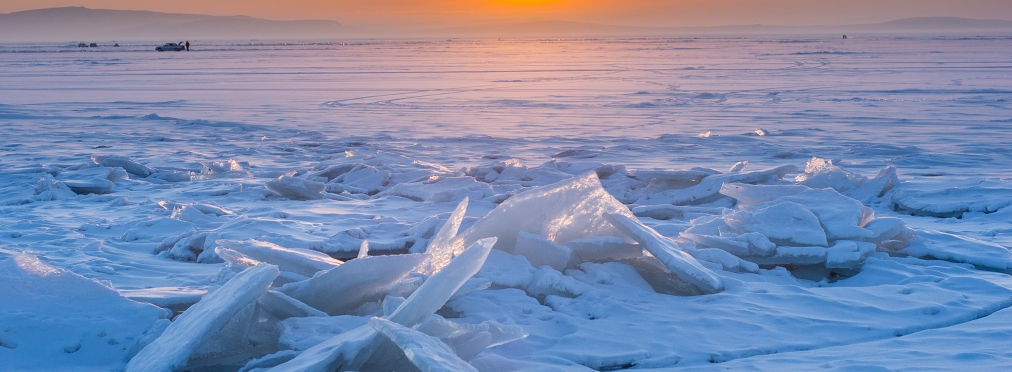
point(622, 12)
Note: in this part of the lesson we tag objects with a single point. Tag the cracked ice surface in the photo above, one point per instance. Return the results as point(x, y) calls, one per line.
point(215, 220)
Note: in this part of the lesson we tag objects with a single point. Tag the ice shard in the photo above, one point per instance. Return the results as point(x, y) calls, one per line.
point(680, 263)
point(171, 350)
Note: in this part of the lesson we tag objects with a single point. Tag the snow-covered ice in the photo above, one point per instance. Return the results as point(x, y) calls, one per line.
point(700, 203)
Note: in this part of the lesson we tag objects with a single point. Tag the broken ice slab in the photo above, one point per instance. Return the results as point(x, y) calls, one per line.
point(425, 352)
point(876, 187)
point(235, 260)
point(782, 222)
point(885, 228)
point(841, 217)
point(952, 199)
point(727, 261)
point(130, 166)
point(171, 350)
point(352, 349)
point(438, 288)
point(568, 210)
point(346, 287)
point(930, 244)
point(105, 173)
point(708, 188)
point(755, 194)
point(542, 252)
point(792, 256)
point(467, 340)
point(736, 247)
point(667, 212)
point(284, 307)
point(602, 248)
point(239, 262)
point(92, 186)
point(669, 178)
point(822, 173)
point(442, 190)
point(345, 351)
point(441, 249)
point(660, 278)
point(846, 254)
point(174, 298)
point(680, 263)
point(300, 261)
point(296, 188)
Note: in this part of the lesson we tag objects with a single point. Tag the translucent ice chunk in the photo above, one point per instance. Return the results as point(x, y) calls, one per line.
point(841, 217)
point(425, 352)
point(680, 263)
point(667, 212)
point(172, 349)
point(352, 349)
point(130, 166)
point(300, 261)
point(755, 194)
point(456, 334)
point(603, 248)
point(284, 307)
point(442, 190)
point(821, 173)
point(296, 188)
point(726, 260)
point(943, 246)
point(709, 188)
point(793, 256)
point(92, 186)
point(438, 288)
point(781, 222)
point(541, 252)
point(846, 254)
point(560, 212)
point(346, 287)
point(442, 248)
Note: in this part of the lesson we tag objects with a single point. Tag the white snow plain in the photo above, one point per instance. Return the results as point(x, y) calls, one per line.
point(687, 203)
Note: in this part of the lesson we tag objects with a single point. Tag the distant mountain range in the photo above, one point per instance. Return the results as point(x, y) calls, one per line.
point(83, 24)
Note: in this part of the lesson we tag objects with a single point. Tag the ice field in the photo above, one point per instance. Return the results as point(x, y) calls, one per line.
point(710, 203)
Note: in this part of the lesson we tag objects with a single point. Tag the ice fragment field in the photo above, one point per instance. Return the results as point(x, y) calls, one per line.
point(495, 205)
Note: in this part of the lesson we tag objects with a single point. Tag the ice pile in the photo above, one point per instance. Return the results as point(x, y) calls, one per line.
point(552, 235)
point(392, 300)
point(796, 225)
point(743, 220)
point(267, 284)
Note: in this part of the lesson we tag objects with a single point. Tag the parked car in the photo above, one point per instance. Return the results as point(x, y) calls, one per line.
point(170, 46)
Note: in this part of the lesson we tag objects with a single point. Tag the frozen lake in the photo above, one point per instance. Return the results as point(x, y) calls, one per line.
point(125, 165)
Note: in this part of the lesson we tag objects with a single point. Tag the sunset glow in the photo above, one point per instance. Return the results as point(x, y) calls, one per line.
point(659, 13)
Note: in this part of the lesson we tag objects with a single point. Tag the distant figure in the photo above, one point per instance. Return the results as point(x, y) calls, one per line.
point(187, 45)
point(844, 36)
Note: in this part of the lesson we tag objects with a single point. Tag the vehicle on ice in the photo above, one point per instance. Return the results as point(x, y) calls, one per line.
point(170, 46)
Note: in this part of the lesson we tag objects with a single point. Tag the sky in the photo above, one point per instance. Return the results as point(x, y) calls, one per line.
point(660, 13)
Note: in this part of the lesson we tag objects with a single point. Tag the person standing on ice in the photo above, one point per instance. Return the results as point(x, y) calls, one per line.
point(187, 45)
